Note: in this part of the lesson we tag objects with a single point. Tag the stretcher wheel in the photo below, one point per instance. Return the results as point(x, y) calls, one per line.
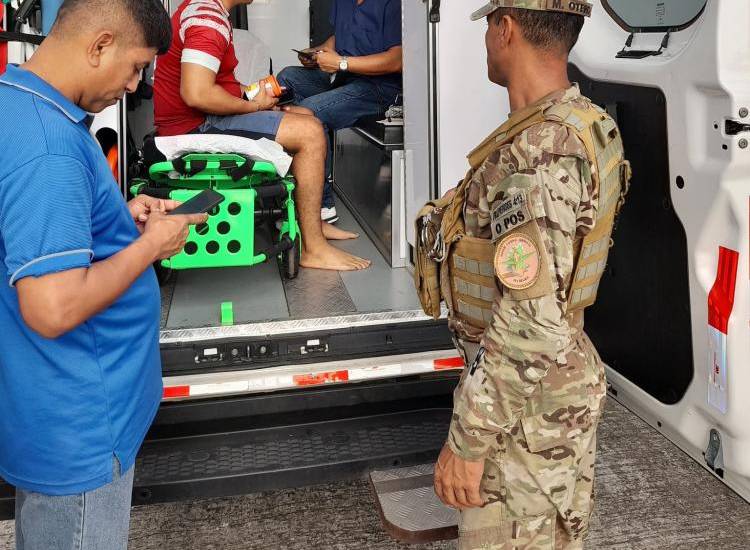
point(290, 260)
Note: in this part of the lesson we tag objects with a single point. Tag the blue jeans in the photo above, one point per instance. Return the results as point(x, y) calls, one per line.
point(95, 520)
point(338, 106)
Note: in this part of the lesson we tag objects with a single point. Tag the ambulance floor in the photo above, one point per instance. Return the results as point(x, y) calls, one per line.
point(192, 298)
point(651, 496)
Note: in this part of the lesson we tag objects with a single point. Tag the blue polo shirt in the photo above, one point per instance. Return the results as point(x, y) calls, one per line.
point(67, 405)
point(372, 28)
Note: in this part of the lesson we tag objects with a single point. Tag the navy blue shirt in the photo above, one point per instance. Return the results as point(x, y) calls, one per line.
point(67, 405)
point(372, 28)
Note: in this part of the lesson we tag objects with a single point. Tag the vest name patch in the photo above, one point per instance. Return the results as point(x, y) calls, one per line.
point(509, 214)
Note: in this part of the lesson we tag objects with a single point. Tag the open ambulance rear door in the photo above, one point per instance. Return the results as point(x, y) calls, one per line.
point(672, 319)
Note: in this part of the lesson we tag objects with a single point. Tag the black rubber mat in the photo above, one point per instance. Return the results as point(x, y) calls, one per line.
point(252, 460)
point(317, 293)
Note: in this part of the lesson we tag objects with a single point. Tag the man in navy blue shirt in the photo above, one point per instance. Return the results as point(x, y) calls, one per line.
point(80, 375)
point(365, 55)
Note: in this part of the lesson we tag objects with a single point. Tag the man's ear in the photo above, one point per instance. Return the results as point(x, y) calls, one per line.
point(101, 42)
point(508, 30)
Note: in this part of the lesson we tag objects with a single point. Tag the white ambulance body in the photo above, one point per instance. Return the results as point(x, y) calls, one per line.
point(680, 90)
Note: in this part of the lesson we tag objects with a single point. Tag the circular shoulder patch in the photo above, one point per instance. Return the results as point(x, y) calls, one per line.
point(517, 262)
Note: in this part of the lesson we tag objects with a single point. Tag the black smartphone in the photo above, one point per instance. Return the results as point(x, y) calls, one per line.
point(306, 55)
point(203, 202)
point(286, 97)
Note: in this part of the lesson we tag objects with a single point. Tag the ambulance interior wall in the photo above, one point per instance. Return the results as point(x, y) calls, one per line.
point(641, 321)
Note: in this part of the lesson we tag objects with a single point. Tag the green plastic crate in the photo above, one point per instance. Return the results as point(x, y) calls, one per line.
point(227, 239)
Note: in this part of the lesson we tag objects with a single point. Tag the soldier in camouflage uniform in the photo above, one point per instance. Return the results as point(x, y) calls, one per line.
point(519, 460)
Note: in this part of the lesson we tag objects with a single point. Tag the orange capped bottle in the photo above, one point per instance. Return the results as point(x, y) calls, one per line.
point(272, 86)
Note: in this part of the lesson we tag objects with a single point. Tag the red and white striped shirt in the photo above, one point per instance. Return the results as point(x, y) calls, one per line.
point(202, 34)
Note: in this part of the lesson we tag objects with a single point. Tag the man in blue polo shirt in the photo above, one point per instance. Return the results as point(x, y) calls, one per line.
point(80, 375)
point(354, 74)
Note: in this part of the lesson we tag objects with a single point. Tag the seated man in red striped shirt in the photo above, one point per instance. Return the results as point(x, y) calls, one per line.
point(195, 91)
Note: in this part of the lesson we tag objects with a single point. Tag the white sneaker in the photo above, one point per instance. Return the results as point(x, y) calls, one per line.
point(329, 215)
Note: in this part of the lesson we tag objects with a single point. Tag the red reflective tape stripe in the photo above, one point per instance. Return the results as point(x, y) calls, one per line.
point(321, 378)
point(445, 364)
point(176, 391)
point(721, 297)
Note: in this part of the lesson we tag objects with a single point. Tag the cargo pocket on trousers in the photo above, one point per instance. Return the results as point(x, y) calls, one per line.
point(546, 432)
point(537, 532)
point(556, 443)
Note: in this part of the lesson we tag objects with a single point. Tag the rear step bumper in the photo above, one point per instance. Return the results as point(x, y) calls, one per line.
point(274, 458)
point(290, 456)
point(409, 508)
point(244, 444)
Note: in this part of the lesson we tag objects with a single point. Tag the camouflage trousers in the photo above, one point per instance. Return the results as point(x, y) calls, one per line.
point(539, 484)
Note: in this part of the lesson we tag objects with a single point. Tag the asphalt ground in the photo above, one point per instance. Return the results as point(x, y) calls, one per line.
point(650, 496)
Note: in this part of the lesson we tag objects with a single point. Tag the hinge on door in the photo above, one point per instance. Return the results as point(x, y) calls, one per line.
point(714, 456)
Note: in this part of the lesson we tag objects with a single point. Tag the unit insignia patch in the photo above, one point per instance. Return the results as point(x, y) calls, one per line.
point(517, 262)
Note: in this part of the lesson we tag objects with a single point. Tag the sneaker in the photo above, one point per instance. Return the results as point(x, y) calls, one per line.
point(329, 214)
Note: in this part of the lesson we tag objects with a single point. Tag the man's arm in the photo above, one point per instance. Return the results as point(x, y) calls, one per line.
point(45, 227)
point(57, 303)
point(202, 55)
point(527, 333)
point(388, 62)
point(200, 91)
point(529, 330)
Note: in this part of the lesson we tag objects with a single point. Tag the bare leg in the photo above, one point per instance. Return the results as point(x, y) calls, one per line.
point(330, 232)
point(333, 233)
point(303, 136)
point(297, 109)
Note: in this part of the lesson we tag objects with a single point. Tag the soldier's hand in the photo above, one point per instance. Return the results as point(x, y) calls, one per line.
point(457, 480)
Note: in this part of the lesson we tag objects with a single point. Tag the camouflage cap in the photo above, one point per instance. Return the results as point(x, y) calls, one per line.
point(575, 7)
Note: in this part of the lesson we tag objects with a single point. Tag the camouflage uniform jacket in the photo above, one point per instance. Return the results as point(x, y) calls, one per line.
point(526, 337)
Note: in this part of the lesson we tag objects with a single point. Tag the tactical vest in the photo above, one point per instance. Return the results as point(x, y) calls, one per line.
point(452, 266)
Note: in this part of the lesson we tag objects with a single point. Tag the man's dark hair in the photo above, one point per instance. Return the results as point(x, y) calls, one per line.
point(148, 16)
point(547, 30)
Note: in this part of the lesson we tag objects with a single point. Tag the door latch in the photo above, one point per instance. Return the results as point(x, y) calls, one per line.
point(734, 127)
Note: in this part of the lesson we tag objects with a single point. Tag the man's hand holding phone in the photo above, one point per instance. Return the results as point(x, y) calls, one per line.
point(167, 234)
point(308, 57)
point(142, 205)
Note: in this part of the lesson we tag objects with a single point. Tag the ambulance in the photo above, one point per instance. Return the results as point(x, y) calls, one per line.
point(329, 376)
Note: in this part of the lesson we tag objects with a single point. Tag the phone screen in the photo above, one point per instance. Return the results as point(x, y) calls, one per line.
point(203, 202)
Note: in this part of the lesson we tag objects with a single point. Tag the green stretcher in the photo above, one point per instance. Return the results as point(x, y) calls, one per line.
point(253, 194)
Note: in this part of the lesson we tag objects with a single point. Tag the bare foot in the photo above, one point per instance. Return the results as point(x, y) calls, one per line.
point(330, 257)
point(333, 233)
